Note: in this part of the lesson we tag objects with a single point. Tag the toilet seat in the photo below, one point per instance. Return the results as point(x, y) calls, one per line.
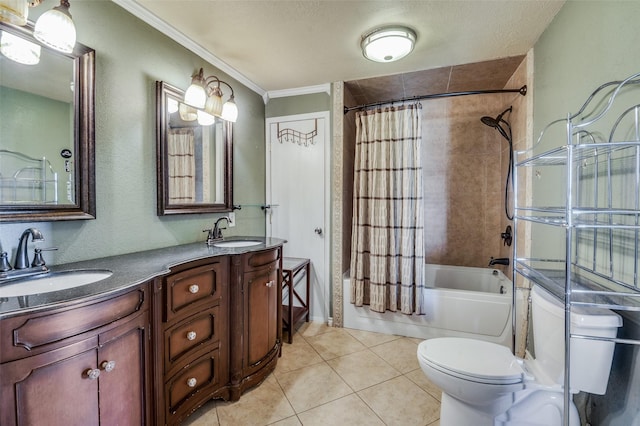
point(473, 360)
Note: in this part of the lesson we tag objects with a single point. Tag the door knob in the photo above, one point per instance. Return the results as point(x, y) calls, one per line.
point(318, 231)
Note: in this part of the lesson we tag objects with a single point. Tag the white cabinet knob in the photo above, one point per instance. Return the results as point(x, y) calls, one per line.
point(108, 365)
point(192, 382)
point(191, 335)
point(193, 288)
point(92, 373)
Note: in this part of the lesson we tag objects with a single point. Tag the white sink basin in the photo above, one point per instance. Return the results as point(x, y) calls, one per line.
point(237, 243)
point(52, 281)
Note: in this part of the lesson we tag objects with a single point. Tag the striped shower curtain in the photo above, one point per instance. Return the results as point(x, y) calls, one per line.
point(182, 166)
point(387, 242)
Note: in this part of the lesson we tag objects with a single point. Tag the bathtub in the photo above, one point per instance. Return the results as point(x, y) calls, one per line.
point(460, 302)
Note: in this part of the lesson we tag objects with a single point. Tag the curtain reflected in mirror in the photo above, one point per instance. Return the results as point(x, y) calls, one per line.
point(194, 159)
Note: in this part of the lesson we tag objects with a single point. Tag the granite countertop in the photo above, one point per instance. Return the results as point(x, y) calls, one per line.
point(128, 270)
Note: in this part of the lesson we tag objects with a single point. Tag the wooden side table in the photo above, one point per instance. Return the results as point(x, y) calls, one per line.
point(292, 267)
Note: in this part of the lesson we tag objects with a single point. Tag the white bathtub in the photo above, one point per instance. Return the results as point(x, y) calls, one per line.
point(460, 302)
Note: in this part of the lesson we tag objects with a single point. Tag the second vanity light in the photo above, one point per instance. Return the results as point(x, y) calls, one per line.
point(205, 94)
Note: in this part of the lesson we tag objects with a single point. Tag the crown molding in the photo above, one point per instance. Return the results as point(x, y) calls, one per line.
point(307, 90)
point(142, 13)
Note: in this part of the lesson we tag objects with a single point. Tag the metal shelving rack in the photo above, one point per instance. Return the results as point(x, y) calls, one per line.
point(596, 173)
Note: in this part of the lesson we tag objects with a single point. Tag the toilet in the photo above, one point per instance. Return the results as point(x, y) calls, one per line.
point(483, 383)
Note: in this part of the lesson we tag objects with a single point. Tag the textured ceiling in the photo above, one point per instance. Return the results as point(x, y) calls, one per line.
point(285, 44)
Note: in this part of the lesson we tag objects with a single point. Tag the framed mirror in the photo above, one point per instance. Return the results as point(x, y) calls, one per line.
point(47, 157)
point(194, 161)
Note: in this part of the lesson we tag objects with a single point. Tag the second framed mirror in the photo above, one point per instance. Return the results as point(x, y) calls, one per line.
point(194, 159)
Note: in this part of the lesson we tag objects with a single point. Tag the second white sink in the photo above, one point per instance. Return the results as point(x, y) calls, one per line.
point(237, 243)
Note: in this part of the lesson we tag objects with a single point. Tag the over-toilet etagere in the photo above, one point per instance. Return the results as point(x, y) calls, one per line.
point(585, 238)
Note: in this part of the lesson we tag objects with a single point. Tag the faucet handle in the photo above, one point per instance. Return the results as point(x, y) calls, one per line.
point(4, 262)
point(37, 258)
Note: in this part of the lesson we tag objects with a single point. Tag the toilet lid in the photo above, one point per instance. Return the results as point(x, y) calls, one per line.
point(472, 359)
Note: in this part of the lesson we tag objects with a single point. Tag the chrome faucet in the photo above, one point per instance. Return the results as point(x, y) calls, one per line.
point(22, 257)
point(217, 230)
point(215, 234)
point(499, 261)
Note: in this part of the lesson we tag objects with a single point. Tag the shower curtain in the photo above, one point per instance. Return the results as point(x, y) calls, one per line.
point(387, 242)
point(182, 167)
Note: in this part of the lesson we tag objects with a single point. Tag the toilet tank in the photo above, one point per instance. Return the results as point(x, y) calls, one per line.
point(590, 359)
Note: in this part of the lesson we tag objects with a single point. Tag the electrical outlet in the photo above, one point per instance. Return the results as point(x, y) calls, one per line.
point(232, 219)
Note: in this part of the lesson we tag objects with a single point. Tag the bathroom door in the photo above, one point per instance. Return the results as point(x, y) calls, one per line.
point(297, 193)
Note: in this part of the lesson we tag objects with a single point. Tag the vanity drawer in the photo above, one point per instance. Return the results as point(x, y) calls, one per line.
point(197, 331)
point(31, 334)
point(196, 378)
point(196, 287)
point(260, 259)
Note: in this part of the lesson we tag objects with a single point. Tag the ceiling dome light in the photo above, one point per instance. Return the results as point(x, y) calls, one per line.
point(388, 44)
point(55, 28)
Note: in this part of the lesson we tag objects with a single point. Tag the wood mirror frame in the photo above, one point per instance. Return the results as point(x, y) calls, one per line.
point(164, 93)
point(83, 205)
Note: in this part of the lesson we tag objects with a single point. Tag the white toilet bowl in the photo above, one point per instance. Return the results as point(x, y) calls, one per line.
point(484, 384)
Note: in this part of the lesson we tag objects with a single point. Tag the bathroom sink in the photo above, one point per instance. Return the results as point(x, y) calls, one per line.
point(52, 281)
point(237, 243)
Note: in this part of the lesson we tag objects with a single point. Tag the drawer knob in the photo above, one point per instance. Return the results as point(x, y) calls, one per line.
point(191, 335)
point(194, 288)
point(270, 283)
point(192, 382)
point(92, 373)
point(108, 365)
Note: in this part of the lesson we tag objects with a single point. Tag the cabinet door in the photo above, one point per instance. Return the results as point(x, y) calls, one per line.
point(262, 312)
point(122, 360)
point(52, 388)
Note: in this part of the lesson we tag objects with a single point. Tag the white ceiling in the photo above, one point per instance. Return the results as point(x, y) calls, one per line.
point(273, 45)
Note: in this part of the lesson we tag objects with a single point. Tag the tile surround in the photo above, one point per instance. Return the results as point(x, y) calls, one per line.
point(335, 376)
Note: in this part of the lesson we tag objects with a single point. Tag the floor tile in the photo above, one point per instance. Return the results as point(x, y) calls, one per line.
point(297, 355)
point(399, 401)
point(370, 339)
point(312, 386)
point(349, 410)
point(400, 353)
point(262, 405)
point(289, 421)
point(363, 369)
point(313, 328)
point(418, 377)
point(334, 344)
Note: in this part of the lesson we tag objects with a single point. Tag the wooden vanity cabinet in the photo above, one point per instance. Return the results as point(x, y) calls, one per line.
point(193, 338)
point(84, 365)
point(256, 333)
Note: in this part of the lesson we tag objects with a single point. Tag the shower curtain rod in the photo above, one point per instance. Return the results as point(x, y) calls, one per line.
point(522, 91)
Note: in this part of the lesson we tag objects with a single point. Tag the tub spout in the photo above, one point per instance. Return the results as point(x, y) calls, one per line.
point(499, 261)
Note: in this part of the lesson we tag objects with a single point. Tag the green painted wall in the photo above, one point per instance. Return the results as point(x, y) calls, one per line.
point(130, 57)
point(293, 105)
point(590, 43)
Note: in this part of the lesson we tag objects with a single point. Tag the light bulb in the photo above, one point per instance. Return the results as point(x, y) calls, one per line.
point(55, 28)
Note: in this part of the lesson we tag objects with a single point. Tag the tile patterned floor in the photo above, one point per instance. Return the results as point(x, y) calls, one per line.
point(335, 376)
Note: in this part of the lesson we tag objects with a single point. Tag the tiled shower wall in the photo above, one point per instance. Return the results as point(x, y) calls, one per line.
point(465, 166)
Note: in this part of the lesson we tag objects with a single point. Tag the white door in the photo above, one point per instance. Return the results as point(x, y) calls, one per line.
point(297, 191)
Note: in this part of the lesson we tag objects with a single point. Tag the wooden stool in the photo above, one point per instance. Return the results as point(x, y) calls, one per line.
point(292, 267)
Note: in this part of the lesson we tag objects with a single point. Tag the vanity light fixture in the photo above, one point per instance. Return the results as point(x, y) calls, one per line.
point(205, 94)
point(388, 44)
point(54, 28)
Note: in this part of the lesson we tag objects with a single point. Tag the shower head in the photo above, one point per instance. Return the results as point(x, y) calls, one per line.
point(495, 123)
